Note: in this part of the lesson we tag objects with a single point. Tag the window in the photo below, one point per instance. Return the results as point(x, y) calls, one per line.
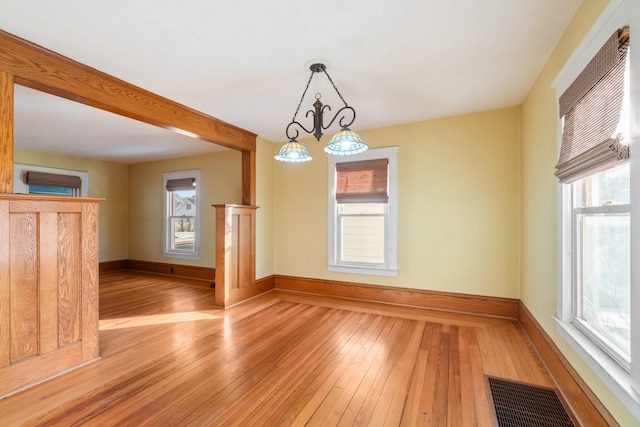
point(182, 228)
point(596, 204)
point(362, 213)
point(600, 218)
point(45, 180)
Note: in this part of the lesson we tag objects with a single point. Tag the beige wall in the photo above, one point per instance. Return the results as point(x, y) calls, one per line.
point(539, 200)
point(458, 210)
point(107, 180)
point(220, 183)
point(265, 200)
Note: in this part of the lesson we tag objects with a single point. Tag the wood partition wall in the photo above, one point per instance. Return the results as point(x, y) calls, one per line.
point(33, 230)
point(235, 255)
point(48, 292)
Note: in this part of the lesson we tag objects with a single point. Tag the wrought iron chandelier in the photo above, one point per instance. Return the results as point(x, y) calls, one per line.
point(343, 143)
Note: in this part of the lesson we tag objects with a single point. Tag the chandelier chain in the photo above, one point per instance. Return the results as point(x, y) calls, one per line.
point(335, 87)
point(302, 98)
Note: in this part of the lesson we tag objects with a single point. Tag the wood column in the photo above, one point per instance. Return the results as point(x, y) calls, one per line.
point(6, 133)
point(236, 254)
point(249, 178)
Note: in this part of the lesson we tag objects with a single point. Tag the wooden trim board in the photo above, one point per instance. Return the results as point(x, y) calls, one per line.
point(473, 304)
point(584, 403)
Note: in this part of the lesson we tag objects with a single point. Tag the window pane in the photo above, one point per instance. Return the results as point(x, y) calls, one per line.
point(363, 239)
point(605, 287)
point(184, 233)
point(182, 221)
point(608, 187)
point(47, 189)
point(183, 202)
point(361, 208)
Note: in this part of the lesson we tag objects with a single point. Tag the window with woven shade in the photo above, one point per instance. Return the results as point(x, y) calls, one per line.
point(363, 181)
point(50, 181)
point(594, 171)
point(362, 213)
point(595, 133)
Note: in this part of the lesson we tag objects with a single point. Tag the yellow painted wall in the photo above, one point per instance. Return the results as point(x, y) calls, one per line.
point(220, 183)
point(265, 200)
point(107, 180)
point(458, 209)
point(539, 201)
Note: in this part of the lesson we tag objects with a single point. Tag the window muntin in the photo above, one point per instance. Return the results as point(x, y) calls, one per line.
point(182, 226)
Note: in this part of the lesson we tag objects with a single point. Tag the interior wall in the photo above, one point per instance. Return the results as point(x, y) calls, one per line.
point(265, 215)
point(539, 201)
point(107, 180)
point(220, 183)
point(458, 209)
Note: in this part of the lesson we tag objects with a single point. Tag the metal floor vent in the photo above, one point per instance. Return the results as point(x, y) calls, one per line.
point(516, 404)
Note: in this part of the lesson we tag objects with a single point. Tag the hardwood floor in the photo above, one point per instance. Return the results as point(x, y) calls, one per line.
point(170, 358)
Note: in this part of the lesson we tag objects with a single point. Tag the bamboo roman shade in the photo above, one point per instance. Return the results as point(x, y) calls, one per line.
point(52, 179)
point(180, 184)
point(595, 127)
point(362, 181)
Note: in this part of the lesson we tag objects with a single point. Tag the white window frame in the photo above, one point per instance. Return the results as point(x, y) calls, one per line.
point(391, 226)
point(166, 223)
point(20, 185)
point(625, 384)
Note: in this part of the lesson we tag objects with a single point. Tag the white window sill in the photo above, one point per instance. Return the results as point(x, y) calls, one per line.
point(373, 271)
point(613, 375)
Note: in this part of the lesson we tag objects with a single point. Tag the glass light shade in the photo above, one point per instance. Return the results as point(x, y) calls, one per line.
point(293, 151)
point(344, 143)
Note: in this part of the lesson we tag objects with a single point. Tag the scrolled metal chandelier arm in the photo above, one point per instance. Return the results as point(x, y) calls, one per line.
point(291, 127)
point(342, 117)
point(344, 142)
point(319, 109)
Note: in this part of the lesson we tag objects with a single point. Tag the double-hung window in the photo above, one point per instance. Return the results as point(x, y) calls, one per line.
point(362, 213)
point(595, 239)
point(182, 223)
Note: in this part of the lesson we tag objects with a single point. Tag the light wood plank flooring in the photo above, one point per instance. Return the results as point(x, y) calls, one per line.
point(170, 358)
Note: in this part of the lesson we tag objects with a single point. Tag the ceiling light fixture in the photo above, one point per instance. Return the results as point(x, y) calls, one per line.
point(343, 143)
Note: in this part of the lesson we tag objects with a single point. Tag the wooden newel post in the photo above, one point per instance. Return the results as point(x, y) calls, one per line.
point(235, 253)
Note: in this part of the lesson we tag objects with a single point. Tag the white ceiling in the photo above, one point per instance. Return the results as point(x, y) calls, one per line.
point(243, 61)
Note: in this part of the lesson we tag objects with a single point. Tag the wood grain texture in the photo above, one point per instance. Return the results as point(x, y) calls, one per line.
point(482, 305)
point(5, 286)
point(49, 292)
point(116, 265)
point(48, 283)
point(249, 178)
point(584, 403)
point(169, 357)
point(23, 264)
point(44, 70)
point(6, 132)
point(193, 272)
point(89, 281)
point(235, 254)
point(69, 277)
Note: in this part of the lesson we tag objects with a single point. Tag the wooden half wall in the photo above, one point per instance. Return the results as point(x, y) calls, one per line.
point(48, 321)
point(48, 287)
